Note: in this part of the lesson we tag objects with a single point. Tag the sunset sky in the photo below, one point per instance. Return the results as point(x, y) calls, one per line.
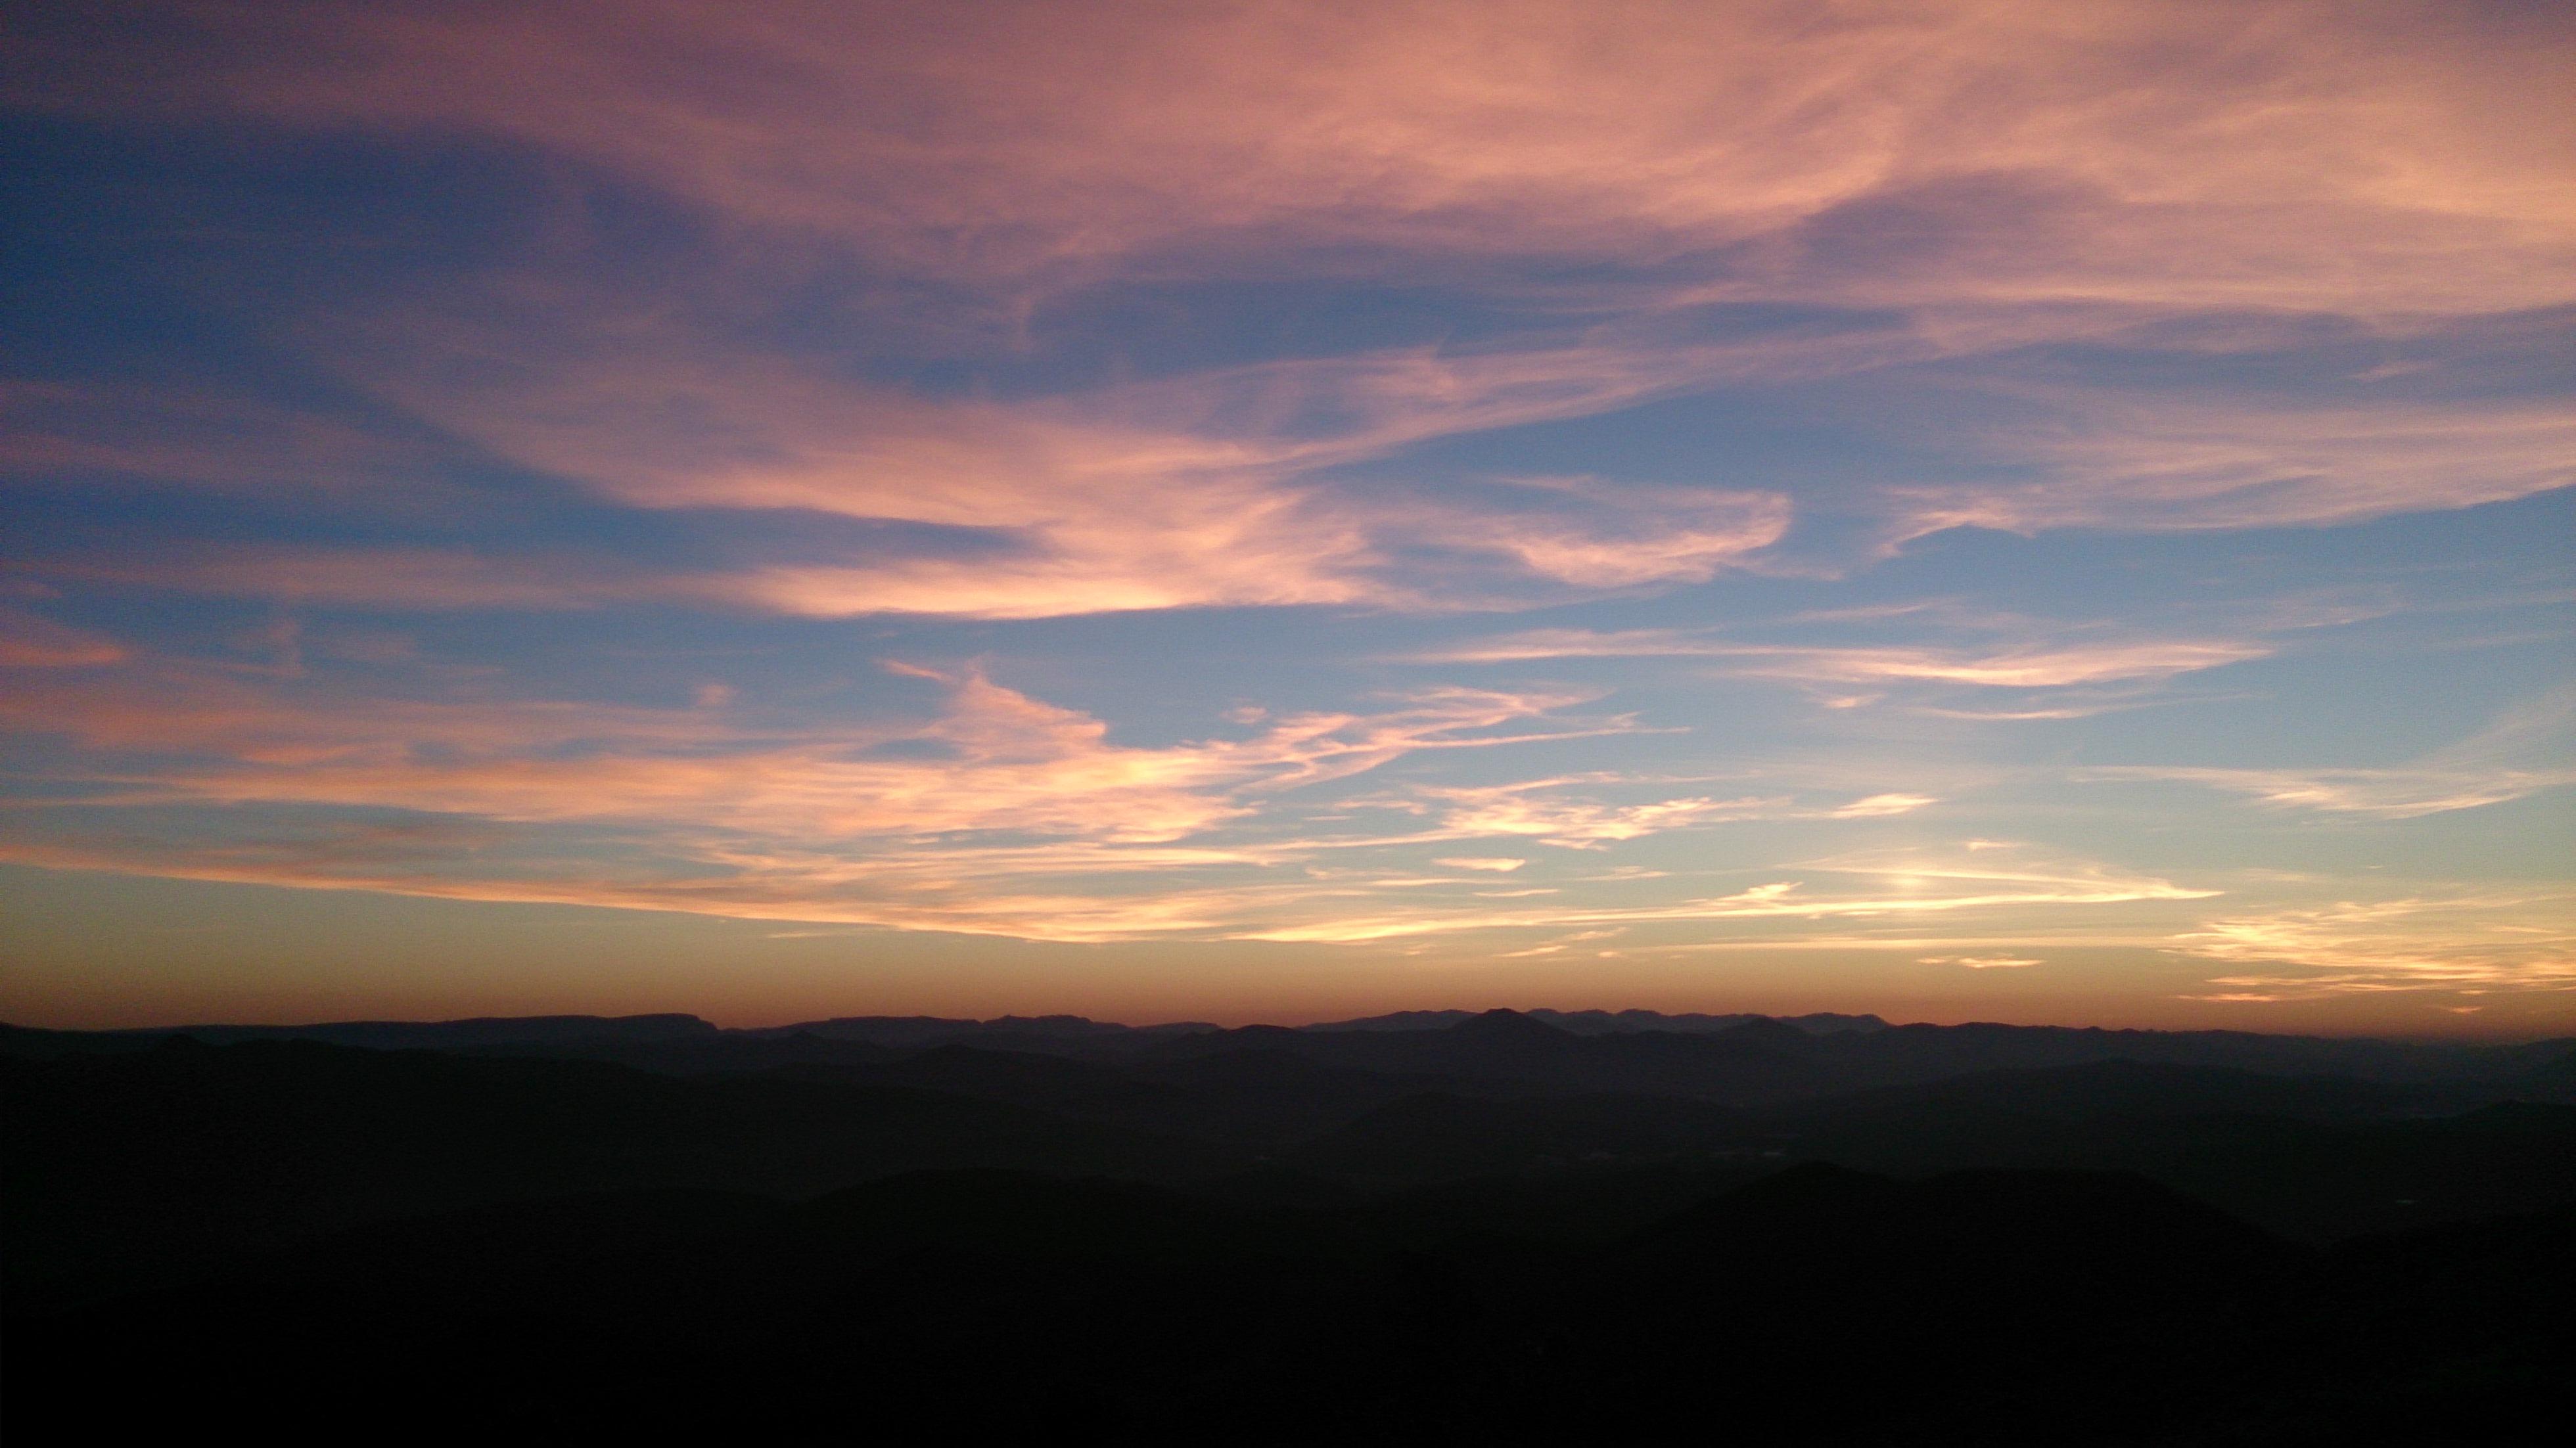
point(2025, 511)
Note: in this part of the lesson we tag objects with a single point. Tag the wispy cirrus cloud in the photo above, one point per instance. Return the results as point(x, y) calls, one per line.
point(2164, 463)
point(1553, 812)
point(801, 334)
point(2470, 942)
point(1193, 490)
point(1196, 491)
point(2303, 155)
point(999, 814)
point(2040, 667)
point(1951, 181)
point(199, 437)
point(1898, 887)
point(1880, 806)
point(31, 641)
point(421, 579)
point(1031, 894)
point(1113, 568)
point(2396, 794)
point(993, 760)
point(1588, 812)
point(2519, 755)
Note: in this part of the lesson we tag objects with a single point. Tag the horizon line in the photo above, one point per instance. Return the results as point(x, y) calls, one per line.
point(183, 1028)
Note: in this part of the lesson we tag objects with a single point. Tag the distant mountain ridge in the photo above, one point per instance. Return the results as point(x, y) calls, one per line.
point(385, 1035)
point(1716, 1056)
point(1602, 1023)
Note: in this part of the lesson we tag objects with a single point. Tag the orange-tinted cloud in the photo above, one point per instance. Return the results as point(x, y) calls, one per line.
point(1556, 812)
point(1898, 889)
point(998, 761)
point(2453, 941)
point(999, 814)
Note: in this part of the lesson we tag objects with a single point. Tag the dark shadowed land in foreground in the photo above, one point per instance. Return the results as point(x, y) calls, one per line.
point(1437, 1227)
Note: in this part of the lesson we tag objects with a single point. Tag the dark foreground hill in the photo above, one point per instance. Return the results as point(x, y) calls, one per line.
point(116, 1163)
point(1814, 1306)
point(1486, 1229)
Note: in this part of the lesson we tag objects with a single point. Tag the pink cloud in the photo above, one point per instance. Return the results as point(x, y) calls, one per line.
point(1001, 761)
point(28, 641)
point(2165, 463)
point(1000, 814)
point(2388, 155)
point(1194, 491)
point(224, 441)
point(2002, 174)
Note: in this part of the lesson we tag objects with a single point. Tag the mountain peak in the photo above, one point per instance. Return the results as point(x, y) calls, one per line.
point(1505, 1024)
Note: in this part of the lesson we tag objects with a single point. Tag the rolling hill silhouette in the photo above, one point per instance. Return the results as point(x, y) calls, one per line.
point(1496, 1227)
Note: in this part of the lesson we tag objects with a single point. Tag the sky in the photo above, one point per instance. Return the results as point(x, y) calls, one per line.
point(2051, 512)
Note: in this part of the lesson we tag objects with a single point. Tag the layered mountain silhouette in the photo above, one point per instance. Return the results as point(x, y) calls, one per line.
point(1445, 1226)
